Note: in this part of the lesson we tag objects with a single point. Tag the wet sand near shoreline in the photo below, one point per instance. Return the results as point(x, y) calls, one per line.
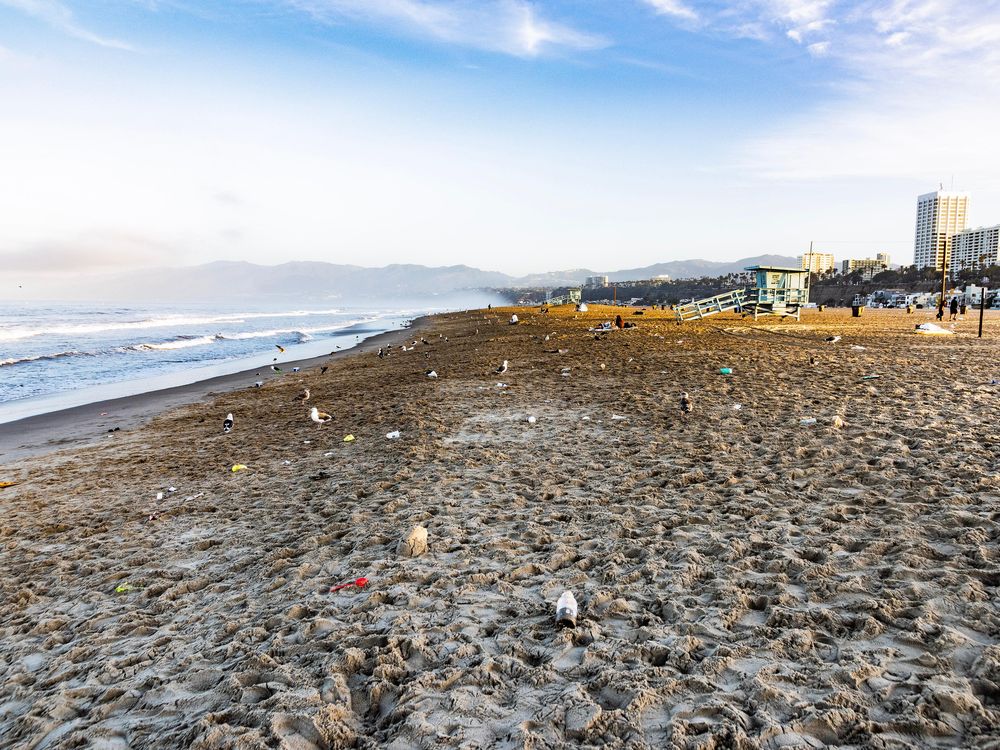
point(745, 580)
point(92, 423)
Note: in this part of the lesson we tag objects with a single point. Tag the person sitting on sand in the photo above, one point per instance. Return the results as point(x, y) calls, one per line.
point(619, 324)
point(954, 308)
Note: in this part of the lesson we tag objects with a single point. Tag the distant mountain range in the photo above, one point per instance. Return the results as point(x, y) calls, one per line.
point(317, 280)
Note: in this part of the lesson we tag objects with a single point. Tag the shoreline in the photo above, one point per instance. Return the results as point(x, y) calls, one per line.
point(88, 424)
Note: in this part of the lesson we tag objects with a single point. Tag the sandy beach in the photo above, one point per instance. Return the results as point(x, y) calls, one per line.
point(744, 580)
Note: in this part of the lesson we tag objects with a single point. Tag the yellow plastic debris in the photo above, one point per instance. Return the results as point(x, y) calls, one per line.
point(7, 484)
point(348, 438)
point(238, 467)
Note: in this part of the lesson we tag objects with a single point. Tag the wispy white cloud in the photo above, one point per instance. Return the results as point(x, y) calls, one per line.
point(61, 17)
point(675, 8)
point(910, 92)
point(513, 27)
point(916, 100)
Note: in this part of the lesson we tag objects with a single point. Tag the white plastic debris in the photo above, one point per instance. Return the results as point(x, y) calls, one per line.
point(737, 407)
point(532, 420)
point(807, 421)
point(394, 435)
point(159, 495)
point(617, 417)
point(432, 374)
point(566, 610)
point(857, 348)
point(933, 329)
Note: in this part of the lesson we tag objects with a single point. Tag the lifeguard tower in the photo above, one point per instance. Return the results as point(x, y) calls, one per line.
point(778, 291)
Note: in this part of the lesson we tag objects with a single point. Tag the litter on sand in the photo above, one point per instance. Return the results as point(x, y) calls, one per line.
point(737, 407)
point(933, 329)
point(7, 484)
point(807, 420)
point(121, 588)
point(348, 438)
point(359, 582)
point(238, 467)
point(531, 420)
point(566, 610)
point(394, 435)
point(871, 377)
point(725, 370)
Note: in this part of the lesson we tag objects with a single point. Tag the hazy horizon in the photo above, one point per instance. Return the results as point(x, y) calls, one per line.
point(506, 135)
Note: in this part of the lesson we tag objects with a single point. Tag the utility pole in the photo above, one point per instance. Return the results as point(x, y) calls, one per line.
point(944, 277)
point(982, 303)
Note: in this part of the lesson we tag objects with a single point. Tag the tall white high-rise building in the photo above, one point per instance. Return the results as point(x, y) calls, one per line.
point(975, 248)
point(940, 215)
point(817, 262)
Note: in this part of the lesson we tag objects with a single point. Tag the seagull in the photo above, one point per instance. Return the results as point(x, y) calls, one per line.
point(296, 369)
point(686, 405)
point(275, 369)
point(833, 339)
point(227, 424)
point(304, 396)
point(258, 383)
point(431, 374)
point(502, 368)
point(323, 369)
point(319, 417)
point(280, 348)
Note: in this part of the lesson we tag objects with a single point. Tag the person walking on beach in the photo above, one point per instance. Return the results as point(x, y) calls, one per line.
point(940, 313)
point(954, 308)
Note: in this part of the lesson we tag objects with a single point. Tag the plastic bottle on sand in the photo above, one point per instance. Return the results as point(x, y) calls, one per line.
point(566, 610)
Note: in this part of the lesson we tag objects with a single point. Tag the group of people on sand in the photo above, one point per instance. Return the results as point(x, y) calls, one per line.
point(954, 309)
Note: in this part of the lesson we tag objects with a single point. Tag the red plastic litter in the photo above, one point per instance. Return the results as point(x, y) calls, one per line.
point(359, 582)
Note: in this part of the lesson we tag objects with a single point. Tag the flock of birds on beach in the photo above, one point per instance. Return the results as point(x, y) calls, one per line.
point(320, 417)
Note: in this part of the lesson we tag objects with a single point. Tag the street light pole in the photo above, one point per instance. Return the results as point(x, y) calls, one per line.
point(944, 277)
point(982, 303)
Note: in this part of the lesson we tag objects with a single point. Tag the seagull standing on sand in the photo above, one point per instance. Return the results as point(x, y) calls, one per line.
point(304, 396)
point(686, 405)
point(319, 417)
point(502, 368)
point(275, 369)
point(227, 423)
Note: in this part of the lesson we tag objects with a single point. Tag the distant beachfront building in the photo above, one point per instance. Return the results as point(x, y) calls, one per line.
point(975, 248)
point(868, 266)
point(596, 282)
point(817, 262)
point(940, 216)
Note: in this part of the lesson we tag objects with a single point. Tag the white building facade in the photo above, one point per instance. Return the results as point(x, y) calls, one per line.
point(940, 216)
point(817, 262)
point(975, 248)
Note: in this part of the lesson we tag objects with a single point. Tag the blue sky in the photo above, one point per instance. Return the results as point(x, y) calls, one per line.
point(511, 135)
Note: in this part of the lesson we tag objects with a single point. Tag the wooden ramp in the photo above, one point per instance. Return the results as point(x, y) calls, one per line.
point(702, 308)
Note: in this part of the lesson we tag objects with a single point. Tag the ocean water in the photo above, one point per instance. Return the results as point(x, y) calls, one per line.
point(56, 355)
